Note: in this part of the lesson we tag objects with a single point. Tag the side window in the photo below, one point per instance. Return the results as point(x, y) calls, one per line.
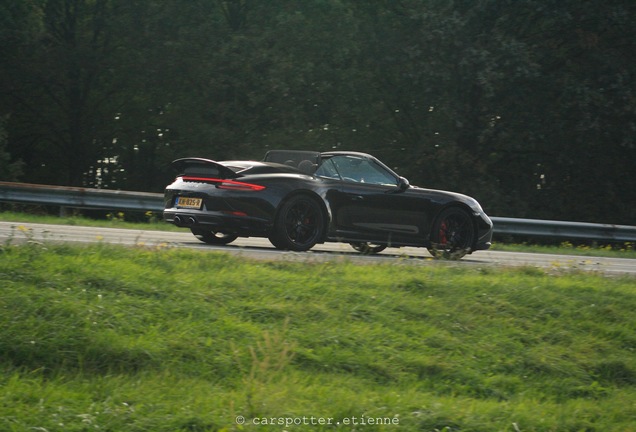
point(328, 169)
point(356, 169)
point(351, 168)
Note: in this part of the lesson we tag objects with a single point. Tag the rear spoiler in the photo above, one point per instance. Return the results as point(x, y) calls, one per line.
point(199, 167)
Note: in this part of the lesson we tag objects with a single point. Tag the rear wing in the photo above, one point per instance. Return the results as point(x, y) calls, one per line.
point(199, 167)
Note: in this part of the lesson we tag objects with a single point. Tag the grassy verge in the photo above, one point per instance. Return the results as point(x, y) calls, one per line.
point(624, 250)
point(113, 339)
point(112, 220)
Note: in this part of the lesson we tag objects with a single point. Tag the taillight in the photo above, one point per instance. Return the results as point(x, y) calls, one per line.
point(226, 184)
point(234, 185)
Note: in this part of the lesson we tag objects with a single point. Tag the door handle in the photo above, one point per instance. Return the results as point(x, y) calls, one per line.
point(357, 198)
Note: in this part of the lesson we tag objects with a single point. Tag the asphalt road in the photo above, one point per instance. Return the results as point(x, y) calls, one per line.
point(257, 248)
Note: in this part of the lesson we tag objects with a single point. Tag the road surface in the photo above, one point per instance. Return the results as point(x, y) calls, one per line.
point(258, 248)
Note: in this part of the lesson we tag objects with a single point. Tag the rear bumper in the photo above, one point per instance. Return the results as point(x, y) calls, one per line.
point(218, 221)
point(246, 214)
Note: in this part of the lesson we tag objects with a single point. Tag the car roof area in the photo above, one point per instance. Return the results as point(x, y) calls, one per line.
point(303, 160)
point(289, 157)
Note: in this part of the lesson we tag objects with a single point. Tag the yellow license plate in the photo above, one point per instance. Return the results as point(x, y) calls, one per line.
point(193, 203)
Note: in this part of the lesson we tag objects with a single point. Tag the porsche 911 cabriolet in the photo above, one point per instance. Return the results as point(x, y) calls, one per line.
point(297, 199)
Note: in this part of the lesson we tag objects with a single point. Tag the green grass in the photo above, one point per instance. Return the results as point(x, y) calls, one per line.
point(155, 339)
point(620, 250)
point(152, 221)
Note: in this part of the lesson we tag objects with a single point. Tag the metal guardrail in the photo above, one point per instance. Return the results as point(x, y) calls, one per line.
point(74, 197)
point(564, 230)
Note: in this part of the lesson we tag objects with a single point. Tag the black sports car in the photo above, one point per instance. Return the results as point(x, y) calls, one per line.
point(300, 198)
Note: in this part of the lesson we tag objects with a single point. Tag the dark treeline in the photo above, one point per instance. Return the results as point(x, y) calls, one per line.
point(527, 105)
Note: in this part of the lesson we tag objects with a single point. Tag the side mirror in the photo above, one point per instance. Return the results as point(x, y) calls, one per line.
point(403, 184)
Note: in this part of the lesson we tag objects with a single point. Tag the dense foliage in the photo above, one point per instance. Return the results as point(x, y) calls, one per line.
point(528, 105)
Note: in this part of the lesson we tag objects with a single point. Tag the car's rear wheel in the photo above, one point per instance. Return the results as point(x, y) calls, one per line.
point(299, 224)
point(453, 235)
point(213, 237)
point(367, 248)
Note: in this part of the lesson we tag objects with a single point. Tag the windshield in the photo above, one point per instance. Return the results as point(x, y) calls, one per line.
point(356, 169)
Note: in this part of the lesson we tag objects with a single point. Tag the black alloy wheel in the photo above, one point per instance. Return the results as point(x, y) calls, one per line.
point(453, 235)
point(212, 237)
point(299, 224)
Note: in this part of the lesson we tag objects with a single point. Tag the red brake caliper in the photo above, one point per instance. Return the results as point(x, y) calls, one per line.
point(442, 233)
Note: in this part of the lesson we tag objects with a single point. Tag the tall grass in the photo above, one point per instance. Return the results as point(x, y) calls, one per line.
point(154, 339)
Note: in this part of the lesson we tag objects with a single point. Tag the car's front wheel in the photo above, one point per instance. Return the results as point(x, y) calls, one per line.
point(453, 234)
point(299, 224)
point(213, 237)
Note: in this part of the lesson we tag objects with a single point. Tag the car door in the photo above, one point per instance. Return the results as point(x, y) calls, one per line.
point(370, 204)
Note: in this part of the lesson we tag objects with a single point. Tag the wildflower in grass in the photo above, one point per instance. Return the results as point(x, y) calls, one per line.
point(119, 217)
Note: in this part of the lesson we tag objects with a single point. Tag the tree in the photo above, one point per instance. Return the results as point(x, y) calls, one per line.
point(9, 170)
point(522, 104)
point(527, 105)
point(60, 85)
point(569, 127)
